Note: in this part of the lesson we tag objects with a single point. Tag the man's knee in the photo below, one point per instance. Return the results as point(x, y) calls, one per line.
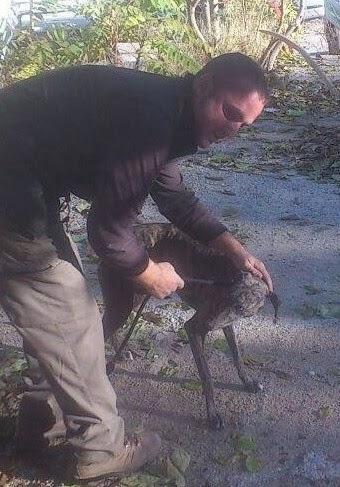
point(57, 294)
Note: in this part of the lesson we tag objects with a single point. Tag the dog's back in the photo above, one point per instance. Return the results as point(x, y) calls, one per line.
point(237, 293)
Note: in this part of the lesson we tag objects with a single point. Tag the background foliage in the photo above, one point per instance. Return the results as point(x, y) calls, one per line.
point(169, 43)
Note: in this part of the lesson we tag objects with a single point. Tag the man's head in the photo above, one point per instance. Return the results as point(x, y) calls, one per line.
point(229, 92)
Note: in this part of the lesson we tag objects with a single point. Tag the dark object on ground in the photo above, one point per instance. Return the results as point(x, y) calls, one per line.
point(218, 292)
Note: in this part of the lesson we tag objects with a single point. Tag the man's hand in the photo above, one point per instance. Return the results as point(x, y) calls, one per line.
point(159, 280)
point(241, 258)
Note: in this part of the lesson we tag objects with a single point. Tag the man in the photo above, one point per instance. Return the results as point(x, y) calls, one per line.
point(108, 135)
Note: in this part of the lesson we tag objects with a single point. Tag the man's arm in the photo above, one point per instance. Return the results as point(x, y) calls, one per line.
point(180, 205)
point(119, 193)
point(183, 208)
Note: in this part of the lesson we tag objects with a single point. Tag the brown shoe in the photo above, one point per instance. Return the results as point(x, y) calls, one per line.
point(132, 457)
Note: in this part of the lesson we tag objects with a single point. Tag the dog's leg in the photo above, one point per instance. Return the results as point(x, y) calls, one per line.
point(250, 385)
point(196, 340)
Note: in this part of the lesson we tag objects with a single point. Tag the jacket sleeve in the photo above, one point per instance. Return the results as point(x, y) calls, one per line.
point(120, 192)
point(111, 236)
point(182, 207)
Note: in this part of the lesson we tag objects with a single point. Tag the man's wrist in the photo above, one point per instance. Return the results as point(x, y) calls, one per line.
point(226, 243)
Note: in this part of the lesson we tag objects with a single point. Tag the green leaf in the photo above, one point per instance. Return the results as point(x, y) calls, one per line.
point(307, 311)
point(311, 290)
point(181, 459)
point(335, 371)
point(142, 480)
point(153, 317)
point(252, 464)
point(324, 412)
point(173, 473)
point(246, 444)
point(214, 178)
point(192, 385)
point(151, 353)
point(257, 360)
point(330, 310)
point(221, 344)
point(295, 112)
point(230, 212)
point(224, 461)
point(168, 371)
point(282, 374)
point(82, 206)
point(19, 365)
point(182, 335)
point(92, 259)
point(79, 237)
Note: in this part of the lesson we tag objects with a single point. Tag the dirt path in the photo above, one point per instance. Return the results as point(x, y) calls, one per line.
point(289, 215)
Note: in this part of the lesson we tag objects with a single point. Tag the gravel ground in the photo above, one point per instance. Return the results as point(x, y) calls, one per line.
point(292, 223)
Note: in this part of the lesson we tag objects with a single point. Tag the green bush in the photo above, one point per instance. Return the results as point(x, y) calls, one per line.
point(169, 45)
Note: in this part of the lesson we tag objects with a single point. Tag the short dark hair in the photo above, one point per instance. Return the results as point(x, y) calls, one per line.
point(236, 72)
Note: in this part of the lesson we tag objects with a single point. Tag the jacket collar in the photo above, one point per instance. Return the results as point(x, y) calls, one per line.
point(184, 138)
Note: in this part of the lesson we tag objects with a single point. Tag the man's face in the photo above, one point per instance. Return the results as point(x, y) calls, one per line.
point(221, 115)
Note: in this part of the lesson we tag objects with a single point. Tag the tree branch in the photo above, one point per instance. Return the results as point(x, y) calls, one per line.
point(192, 17)
point(274, 48)
point(335, 92)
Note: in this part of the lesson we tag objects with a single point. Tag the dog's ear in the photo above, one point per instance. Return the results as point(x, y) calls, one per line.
point(275, 300)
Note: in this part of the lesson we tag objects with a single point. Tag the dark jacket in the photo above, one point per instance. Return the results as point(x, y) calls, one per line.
point(105, 134)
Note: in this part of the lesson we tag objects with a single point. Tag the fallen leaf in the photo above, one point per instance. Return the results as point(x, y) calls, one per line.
point(324, 412)
point(77, 238)
point(246, 444)
point(82, 207)
point(295, 112)
point(170, 471)
point(227, 192)
point(224, 461)
point(252, 464)
point(181, 459)
point(214, 178)
point(253, 360)
point(19, 365)
point(153, 317)
point(281, 373)
point(335, 371)
point(92, 259)
point(221, 344)
point(311, 290)
point(230, 212)
point(192, 385)
point(168, 371)
point(151, 353)
point(142, 480)
point(330, 310)
point(182, 335)
point(290, 218)
point(307, 311)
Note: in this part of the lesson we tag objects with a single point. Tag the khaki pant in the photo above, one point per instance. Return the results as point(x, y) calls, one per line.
point(48, 301)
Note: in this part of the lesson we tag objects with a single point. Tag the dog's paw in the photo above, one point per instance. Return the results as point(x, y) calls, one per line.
point(216, 422)
point(253, 386)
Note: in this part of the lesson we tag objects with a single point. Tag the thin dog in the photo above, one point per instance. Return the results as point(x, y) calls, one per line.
point(232, 295)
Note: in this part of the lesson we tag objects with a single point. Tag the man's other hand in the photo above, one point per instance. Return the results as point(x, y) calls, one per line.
point(159, 280)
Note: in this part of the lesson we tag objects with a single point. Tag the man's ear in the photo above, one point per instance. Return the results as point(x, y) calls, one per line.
point(204, 86)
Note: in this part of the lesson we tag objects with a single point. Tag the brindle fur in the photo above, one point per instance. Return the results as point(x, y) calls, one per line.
point(217, 307)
